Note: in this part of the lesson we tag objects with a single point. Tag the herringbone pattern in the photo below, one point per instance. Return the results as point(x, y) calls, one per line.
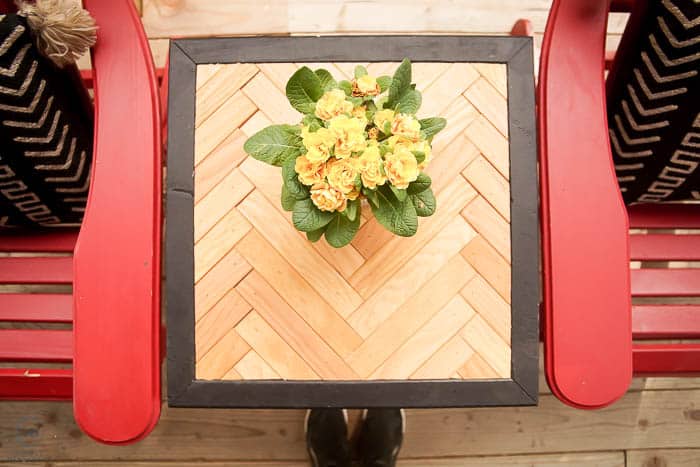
point(269, 304)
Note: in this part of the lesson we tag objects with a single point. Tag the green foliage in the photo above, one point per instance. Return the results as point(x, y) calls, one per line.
point(346, 86)
point(307, 217)
point(384, 82)
point(399, 193)
point(421, 183)
point(287, 199)
point(424, 203)
point(275, 144)
point(399, 217)
point(352, 210)
point(291, 181)
point(341, 230)
point(326, 79)
point(315, 235)
point(360, 71)
point(304, 89)
point(410, 102)
point(400, 83)
point(429, 127)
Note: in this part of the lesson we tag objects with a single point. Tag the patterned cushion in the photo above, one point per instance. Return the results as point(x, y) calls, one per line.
point(654, 103)
point(45, 135)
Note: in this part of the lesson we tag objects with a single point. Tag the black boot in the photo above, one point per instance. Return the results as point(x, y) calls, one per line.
point(327, 438)
point(381, 437)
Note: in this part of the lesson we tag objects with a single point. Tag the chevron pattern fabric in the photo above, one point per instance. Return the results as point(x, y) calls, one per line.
point(45, 136)
point(270, 305)
point(654, 104)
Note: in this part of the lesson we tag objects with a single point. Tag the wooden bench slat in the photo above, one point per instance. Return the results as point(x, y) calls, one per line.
point(45, 242)
point(50, 308)
point(36, 345)
point(665, 247)
point(666, 321)
point(665, 282)
point(36, 384)
point(36, 270)
point(665, 359)
point(664, 216)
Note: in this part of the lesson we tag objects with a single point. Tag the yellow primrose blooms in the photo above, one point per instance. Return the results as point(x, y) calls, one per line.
point(406, 126)
point(332, 104)
point(383, 116)
point(309, 172)
point(401, 167)
point(318, 144)
point(365, 86)
point(349, 134)
point(424, 147)
point(370, 167)
point(353, 195)
point(327, 198)
point(341, 174)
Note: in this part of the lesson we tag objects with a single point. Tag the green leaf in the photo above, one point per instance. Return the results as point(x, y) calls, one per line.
point(410, 102)
point(431, 126)
point(287, 199)
point(399, 193)
point(400, 83)
point(371, 196)
point(421, 184)
point(315, 235)
point(424, 202)
point(384, 83)
point(352, 209)
point(398, 216)
point(360, 71)
point(356, 101)
point(326, 79)
point(310, 120)
point(304, 89)
point(346, 86)
point(341, 230)
point(291, 180)
point(274, 144)
point(419, 155)
point(307, 217)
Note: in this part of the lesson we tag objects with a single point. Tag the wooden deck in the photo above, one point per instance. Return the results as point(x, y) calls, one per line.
point(656, 424)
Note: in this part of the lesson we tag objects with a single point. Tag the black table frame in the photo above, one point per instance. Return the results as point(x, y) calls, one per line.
point(184, 390)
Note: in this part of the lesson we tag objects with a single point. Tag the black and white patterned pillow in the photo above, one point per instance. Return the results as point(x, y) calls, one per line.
point(45, 135)
point(654, 103)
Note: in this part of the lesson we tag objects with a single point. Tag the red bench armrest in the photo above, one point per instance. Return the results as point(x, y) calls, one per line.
point(587, 306)
point(117, 257)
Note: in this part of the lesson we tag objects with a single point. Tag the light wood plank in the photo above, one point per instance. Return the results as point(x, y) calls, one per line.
point(270, 100)
point(477, 368)
point(279, 73)
point(489, 264)
point(294, 330)
point(459, 114)
point(490, 184)
point(445, 361)
point(496, 75)
point(486, 342)
point(215, 323)
point(491, 143)
point(204, 72)
point(218, 241)
point(273, 349)
point(219, 163)
point(454, 158)
point(299, 294)
point(412, 276)
point(299, 253)
point(446, 88)
point(660, 457)
point(251, 366)
point(219, 201)
point(255, 123)
point(220, 87)
point(222, 356)
point(490, 225)
point(426, 341)
point(489, 304)
point(219, 280)
point(485, 97)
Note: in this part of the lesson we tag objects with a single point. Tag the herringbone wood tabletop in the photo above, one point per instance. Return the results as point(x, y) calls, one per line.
point(270, 305)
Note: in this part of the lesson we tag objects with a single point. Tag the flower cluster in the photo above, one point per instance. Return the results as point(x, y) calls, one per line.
point(357, 140)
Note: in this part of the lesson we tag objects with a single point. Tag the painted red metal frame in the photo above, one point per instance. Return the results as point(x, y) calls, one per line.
point(587, 304)
point(115, 344)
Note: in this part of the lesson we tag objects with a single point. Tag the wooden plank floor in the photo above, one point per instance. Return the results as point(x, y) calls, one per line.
point(271, 305)
point(656, 424)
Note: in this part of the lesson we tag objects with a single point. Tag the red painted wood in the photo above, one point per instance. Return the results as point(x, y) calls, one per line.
point(665, 359)
point(665, 247)
point(117, 257)
point(36, 345)
point(36, 384)
point(87, 76)
point(39, 270)
point(522, 27)
point(666, 282)
point(50, 308)
point(45, 242)
point(587, 309)
point(665, 216)
point(666, 321)
point(609, 59)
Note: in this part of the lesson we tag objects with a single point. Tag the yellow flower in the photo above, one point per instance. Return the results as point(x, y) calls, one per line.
point(309, 172)
point(424, 147)
point(352, 196)
point(401, 167)
point(327, 198)
point(318, 144)
point(383, 116)
point(341, 174)
point(332, 104)
point(370, 166)
point(406, 126)
point(365, 86)
point(349, 134)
